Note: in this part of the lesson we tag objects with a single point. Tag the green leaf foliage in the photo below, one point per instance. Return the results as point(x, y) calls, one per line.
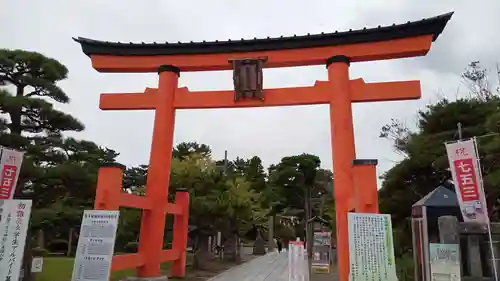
point(425, 165)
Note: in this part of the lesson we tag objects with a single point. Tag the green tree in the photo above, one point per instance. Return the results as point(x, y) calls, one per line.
point(218, 203)
point(134, 179)
point(293, 180)
point(33, 78)
point(56, 170)
point(425, 165)
point(255, 173)
point(185, 149)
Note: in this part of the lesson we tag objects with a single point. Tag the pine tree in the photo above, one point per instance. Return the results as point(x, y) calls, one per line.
point(56, 170)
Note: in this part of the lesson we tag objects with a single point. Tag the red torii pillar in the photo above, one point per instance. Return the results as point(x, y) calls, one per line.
point(155, 205)
point(159, 161)
point(342, 130)
point(365, 186)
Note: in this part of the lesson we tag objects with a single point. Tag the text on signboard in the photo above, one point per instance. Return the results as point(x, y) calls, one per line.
point(466, 178)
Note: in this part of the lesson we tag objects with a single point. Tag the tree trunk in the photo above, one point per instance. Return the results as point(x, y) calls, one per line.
point(27, 257)
point(238, 249)
point(16, 129)
point(70, 242)
point(308, 225)
point(40, 239)
point(270, 238)
point(258, 247)
point(15, 115)
point(201, 252)
point(230, 248)
point(322, 205)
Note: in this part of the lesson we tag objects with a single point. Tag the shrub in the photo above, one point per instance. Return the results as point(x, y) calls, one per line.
point(40, 252)
point(58, 246)
point(131, 247)
point(405, 267)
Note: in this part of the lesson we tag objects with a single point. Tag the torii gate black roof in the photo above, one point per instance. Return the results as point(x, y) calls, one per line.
point(427, 26)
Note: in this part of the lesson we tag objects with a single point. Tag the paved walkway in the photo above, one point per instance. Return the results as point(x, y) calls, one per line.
point(270, 267)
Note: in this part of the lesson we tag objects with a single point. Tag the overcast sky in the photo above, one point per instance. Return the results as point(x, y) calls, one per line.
point(271, 133)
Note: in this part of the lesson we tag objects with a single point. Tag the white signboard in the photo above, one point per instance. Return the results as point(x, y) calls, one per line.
point(37, 264)
point(10, 166)
point(445, 262)
point(13, 227)
point(95, 246)
point(466, 175)
point(321, 252)
point(371, 248)
point(297, 262)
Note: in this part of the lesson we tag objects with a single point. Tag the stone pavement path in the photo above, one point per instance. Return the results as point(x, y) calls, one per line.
point(270, 267)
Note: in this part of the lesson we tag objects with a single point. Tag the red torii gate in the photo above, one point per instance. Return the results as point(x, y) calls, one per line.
point(354, 179)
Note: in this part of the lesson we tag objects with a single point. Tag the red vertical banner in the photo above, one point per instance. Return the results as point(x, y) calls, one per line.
point(466, 173)
point(10, 166)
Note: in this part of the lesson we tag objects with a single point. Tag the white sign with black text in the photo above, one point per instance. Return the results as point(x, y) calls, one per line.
point(95, 246)
point(15, 217)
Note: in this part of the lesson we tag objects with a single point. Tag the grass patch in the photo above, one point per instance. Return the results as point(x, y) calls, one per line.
point(61, 269)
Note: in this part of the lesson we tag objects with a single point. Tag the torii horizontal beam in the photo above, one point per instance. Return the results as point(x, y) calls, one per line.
point(391, 49)
point(317, 94)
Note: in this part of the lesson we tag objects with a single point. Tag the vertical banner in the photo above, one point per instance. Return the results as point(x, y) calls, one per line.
point(321, 252)
point(297, 262)
point(444, 262)
point(15, 217)
point(96, 245)
point(10, 166)
point(466, 174)
point(371, 248)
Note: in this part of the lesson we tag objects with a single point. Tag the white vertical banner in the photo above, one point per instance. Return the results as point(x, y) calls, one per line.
point(297, 262)
point(15, 217)
point(10, 166)
point(96, 245)
point(466, 173)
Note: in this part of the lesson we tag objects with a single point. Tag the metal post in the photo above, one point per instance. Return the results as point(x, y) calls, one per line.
point(225, 162)
point(270, 232)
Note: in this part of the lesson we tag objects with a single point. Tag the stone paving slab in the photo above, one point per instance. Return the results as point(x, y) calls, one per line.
point(270, 267)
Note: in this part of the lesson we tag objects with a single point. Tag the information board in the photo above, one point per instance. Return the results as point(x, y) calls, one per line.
point(445, 262)
point(95, 246)
point(321, 252)
point(371, 249)
point(14, 220)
